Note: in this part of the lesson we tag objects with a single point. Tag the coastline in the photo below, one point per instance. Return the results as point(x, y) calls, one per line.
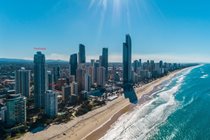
point(100, 132)
point(96, 123)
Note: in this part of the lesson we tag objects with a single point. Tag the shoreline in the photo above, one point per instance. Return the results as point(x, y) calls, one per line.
point(101, 131)
point(96, 123)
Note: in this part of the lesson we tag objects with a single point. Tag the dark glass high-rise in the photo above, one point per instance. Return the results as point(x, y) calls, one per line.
point(39, 79)
point(129, 91)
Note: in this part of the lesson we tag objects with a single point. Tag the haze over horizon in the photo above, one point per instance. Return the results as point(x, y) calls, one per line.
point(173, 31)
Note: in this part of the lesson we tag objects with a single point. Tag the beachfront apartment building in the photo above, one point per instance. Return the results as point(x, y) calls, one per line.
point(22, 82)
point(15, 110)
point(51, 103)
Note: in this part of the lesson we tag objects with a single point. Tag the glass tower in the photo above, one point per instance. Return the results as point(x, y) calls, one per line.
point(39, 79)
point(82, 58)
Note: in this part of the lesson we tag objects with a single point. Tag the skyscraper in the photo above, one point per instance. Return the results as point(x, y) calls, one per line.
point(92, 62)
point(74, 88)
point(127, 60)
point(127, 77)
point(82, 57)
point(80, 78)
point(22, 82)
point(39, 79)
point(66, 92)
point(96, 65)
point(73, 64)
point(51, 103)
point(87, 82)
point(140, 63)
point(135, 66)
point(56, 73)
point(161, 64)
point(16, 109)
point(101, 76)
point(50, 81)
point(100, 60)
point(105, 61)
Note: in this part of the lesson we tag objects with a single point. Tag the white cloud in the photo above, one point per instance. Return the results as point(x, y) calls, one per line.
point(56, 56)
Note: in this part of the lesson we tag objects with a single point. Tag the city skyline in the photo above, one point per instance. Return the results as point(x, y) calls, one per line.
point(57, 93)
point(159, 29)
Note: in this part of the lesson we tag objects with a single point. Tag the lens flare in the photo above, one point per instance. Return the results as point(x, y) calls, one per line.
point(119, 10)
point(123, 15)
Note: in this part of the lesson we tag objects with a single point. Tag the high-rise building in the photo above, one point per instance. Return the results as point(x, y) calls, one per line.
point(101, 79)
point(135, 66)
point(140, 63)
point(88, 82)
point(15, 109)
point(82, 57)
point(161, 64)
point(127, 76)
point(95, 71)
point(73, 64)
point(39, 79)
point(127, 59)
point(22, 82)
point(90, 71)
point(74, 88)
point(71, 79)
point(56, 73)
point(92, 61)
point(51, 103)
point(100, 60)
point(152, 65)
point(80, 78)
point(105, 61)
point(50, 81)
point(66, 92)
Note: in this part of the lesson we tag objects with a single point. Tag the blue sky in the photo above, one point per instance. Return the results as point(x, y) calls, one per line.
point(172, 30)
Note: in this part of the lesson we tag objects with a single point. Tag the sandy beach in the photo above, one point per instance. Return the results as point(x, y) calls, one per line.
point(96, 123)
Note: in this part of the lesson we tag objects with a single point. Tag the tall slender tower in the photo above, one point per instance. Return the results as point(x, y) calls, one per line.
point(82, 57)
point(56, 73)
point(73, 64)
point(105, 61)
point(39, 79)
point(128, 86)
point(101, 76)
point(22, 82)
point(127, 60)
point(50, 80)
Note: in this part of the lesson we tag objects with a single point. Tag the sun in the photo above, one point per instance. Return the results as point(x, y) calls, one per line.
point(113, 9)
point(118, 12)
point(104, 4)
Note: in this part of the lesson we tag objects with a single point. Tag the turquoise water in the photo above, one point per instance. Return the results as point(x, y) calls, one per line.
point(191, 121)
point(178, 110)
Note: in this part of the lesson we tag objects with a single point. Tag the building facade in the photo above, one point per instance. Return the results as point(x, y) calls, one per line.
point(73, 64)
point(105, 61)
point(51, 103)
point(22, 82)
point(39, 79)
point(82, 57)
point(15, 109)
point(127, 60)
point(101, 77)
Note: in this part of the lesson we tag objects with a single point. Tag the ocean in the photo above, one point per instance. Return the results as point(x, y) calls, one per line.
point(179, 109)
